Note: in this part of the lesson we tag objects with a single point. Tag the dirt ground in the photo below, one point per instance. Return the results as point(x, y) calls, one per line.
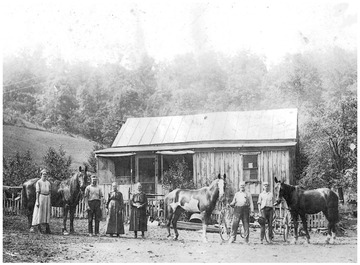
point(21, 246)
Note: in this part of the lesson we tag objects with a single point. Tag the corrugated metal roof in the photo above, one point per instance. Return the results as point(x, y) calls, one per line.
point(267, 125)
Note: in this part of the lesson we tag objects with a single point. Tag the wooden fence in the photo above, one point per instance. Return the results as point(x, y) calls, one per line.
point(12, 206)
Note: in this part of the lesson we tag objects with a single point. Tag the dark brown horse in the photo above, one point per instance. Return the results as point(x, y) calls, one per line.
point(302, 202)
point(201, 201)
point(66, 194)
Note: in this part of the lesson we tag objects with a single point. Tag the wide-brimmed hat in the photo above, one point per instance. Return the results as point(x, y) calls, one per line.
point(265, 183)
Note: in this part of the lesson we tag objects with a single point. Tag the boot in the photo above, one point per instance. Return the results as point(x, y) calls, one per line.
point(47, 231)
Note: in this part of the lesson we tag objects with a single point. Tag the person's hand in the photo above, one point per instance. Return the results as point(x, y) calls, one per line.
point(88, 209)
point(252, 213)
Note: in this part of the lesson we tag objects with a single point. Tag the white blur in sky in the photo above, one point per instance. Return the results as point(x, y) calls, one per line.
point(101, 31)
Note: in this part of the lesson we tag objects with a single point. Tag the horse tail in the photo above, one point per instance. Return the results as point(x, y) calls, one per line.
point(169, 198)
point(333, 206)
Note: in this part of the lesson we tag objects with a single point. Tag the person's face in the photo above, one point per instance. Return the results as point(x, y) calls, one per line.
point(266, 187)
point(44, 175)
point(242, 187)
point(114, 187)
point(93, 181)
point(139, 188)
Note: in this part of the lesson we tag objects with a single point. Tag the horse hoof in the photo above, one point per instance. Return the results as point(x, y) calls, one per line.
point(32, 230)
point(66, 233)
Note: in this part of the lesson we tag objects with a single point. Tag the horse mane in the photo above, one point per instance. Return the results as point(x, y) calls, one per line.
point(213, 183)
point(288, 190)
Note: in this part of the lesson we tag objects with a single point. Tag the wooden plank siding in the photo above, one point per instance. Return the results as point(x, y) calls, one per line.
point(208, 164)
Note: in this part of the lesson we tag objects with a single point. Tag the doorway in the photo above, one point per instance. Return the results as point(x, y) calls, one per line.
point(146, 168)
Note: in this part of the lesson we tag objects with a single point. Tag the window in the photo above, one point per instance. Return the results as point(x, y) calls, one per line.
point(250, 167)
point(123, 167)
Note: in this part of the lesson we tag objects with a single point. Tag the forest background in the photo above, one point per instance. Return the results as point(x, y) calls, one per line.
point(94, 101)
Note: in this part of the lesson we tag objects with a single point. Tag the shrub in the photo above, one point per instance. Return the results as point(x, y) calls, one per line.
point(19, 168)
point(57, 163)
point(178, 176)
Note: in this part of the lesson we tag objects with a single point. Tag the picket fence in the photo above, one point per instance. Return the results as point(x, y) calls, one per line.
point(12, 206)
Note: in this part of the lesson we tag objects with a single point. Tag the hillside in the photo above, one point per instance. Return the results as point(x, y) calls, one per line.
point(37, 141)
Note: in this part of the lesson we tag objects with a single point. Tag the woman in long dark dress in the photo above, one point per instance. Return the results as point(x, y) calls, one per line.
point(115, 206)
point(138, 221)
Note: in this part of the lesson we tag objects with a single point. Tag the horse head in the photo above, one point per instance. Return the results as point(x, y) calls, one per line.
point(82, 178)
point(221, 183)
point(279, 191)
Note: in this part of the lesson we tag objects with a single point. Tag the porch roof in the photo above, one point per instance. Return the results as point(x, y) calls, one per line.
point(131, 150)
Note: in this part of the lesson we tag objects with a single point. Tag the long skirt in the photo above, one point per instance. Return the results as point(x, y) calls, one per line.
point(41, 214)
point(115, 221)
point(138, 220)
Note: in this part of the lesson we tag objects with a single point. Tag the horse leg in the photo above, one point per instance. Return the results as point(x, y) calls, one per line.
point(304, 223)
point(169, 219)
point(332, 215)
point(72, 215)
point(332, 227)
point(176, 216)
point(331, 235)
point(66, 210)
point(30, 217)
point(205, 218)
point(294, 217)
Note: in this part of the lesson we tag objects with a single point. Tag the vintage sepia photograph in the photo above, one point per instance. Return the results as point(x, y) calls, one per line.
point(167, 131)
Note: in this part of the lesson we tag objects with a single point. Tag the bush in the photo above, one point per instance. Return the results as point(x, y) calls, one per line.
point(178, 176)
point(57, 163)
point(19, 168)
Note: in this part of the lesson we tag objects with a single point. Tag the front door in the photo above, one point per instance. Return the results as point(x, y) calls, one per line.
point(146, 173)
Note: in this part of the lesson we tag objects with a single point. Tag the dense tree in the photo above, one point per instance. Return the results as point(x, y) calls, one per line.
point(330, 142)
point(19, 168)
point(95, 101)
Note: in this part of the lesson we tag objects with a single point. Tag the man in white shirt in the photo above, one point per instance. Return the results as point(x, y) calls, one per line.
point(265, 205)
point(242, 204)
point(93, 196)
